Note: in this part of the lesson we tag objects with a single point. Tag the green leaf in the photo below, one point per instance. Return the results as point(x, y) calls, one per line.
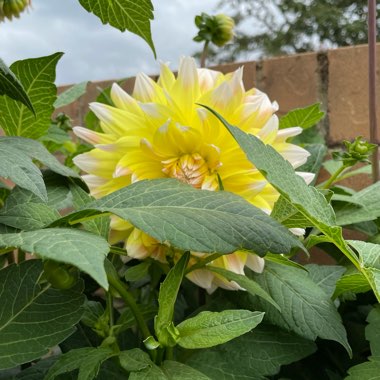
point(71, 95)
point(369, 256)
point(11, 86)
point(253, 356)
point(305, 308)
point(365, 371)
point(208, 329)
point(33, 318)
point(179, 371)
point(370, 370)
point(24, 210)
point(325, 276)
point(352, 281)
point(306, 199)
point(132, 15)
point(20, 169)
point(166, 300)
point(37, 75)
point(134, 360)
point(99, 226)
point(372, 331)
point(79, 248)
point(137, 272)
point(302, 117)
point(246, 283)
point(88, 360)
point(139, 364)
point(193, 219)
point(369, 199)
point(37, 151)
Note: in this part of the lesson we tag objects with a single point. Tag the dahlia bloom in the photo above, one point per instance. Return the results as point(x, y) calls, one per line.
point(161, 131)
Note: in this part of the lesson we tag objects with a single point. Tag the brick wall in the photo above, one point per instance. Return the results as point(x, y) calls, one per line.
point(336, 78)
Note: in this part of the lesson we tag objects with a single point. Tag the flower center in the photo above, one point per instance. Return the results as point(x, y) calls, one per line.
point(189, 168)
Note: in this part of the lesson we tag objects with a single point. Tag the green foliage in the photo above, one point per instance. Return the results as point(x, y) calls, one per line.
point(11, 86)
point(87, 360)
point(34, 317)
point(79, 248)
point(132, 15)
point(71, 95)
point(190, 219)
point(209, 329)
point(37, 75)
point(254, 355)
point(316, 314)
point(163, 324)
point(302, 117)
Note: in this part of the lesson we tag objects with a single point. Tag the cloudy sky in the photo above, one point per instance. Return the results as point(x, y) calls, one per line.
point(94, 51)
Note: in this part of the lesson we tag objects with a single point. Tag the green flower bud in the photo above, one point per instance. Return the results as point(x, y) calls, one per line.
point(12, 8)
point(224, 31)
point(217, 29)
point(59, 276)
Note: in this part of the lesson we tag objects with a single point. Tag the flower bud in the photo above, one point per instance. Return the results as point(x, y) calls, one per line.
point(224, 31)
point(59, 276)
point(12, 8)
point(217, 29)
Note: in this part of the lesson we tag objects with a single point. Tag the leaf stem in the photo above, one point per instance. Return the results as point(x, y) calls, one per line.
point(110, 309)
point(204, 54)
point(169, 354)
point(130, 301)
point(334, 178)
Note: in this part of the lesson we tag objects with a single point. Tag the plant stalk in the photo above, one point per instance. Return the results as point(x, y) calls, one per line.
point(372, 87)
point(204, 54)
point(334, 177)
point(130, 301)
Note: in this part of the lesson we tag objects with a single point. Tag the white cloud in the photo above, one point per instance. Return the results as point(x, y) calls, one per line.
point(94, 51)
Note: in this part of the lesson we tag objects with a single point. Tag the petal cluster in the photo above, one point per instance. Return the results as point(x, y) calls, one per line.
point(163, 131)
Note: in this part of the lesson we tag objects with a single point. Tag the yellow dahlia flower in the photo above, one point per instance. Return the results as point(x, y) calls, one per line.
point(162, 131)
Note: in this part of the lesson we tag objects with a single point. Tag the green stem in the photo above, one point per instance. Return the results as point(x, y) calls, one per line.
point(169, 355)
point(334, 177)
point(130, 301)
point(204, 54)
point(204, 262)
point(110, 309)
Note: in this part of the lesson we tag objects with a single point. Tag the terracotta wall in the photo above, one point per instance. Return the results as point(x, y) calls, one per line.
point(336, 78)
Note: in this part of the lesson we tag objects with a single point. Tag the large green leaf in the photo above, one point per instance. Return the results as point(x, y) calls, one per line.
point(246, 283)
point(325, 276)
point(88, 360)
point(302, 117)
point(79, 248)
point(305, 308)
point(71, 95)
point(208, 329)
point(193, 219)
point(306, 199)
point(11, 86)
point(24, 210)
point(33, 318)
point(20, 169)
point(132, 15)
point(179, 371)
point(369, 255)
point(37, 151)
point(364, 205)
point(37, 75)
point(253, 356)
point(163, 324)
